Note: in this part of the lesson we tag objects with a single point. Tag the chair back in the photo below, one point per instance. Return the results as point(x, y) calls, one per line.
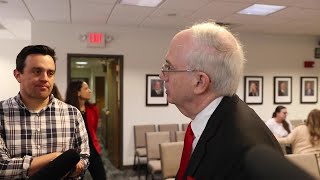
point(307, 162)
point(296, 122)
point(180, 135)
point(184, 126)
point(153, 139)
point(172, 128)
point(170, 158)
point(139, 134)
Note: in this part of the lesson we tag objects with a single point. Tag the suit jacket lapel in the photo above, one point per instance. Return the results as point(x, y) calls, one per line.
point(209, 132)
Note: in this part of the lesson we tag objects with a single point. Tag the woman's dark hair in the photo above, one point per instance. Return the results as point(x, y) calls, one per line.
point(56, 93)
point(313, 124)
point(285, 124)
point(72, 93)
point(33, 49)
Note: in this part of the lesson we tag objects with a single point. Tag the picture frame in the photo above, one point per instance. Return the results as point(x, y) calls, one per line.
point(282, 89)
point(309, 90)
point(253, 89)
point(155, 91)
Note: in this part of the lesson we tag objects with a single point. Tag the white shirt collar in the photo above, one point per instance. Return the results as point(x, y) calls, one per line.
point(200, 121)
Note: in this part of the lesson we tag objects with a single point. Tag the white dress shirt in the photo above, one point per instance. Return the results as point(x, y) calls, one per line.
point(200, 121)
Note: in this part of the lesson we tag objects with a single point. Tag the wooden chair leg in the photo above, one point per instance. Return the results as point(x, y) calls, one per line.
point(147, 174)
point(134, 161)
point(139, 167)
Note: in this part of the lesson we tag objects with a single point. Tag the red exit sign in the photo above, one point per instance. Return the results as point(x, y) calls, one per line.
point(96, 39)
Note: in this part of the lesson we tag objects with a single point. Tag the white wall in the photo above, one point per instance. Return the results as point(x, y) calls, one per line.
point(269, 56)
point(9, 50)
point(144, 50)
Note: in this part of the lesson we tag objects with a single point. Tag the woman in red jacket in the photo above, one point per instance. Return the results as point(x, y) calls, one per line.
point(78, 95)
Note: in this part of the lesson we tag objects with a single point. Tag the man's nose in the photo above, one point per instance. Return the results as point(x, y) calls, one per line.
point(44, 76)
point(162, 76)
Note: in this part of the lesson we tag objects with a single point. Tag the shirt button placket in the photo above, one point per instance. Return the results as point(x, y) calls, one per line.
point(38, 133)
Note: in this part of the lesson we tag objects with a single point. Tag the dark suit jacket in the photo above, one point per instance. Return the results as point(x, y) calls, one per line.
point(155, 94)
point(281, 93)
point(309, 92)
point(231, 131)
point(253, 94)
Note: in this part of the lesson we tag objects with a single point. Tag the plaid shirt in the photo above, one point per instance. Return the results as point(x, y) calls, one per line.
point(25, 134)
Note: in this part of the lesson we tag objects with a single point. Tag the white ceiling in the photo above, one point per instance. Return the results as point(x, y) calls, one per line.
point(300, 16)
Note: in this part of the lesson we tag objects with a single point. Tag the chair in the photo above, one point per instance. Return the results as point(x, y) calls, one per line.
point(307, 162)
point(184, 127)
point(153, 139)
point(172, 128)
point(140, 143)
point(296, 122)
point(170, 159)
point(284, 149)
point(180, 135)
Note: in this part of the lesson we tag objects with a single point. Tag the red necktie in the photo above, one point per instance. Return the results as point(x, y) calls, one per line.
point(186, 153)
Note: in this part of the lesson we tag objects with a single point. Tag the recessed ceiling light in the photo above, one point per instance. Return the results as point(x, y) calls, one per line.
point(146, 3)
point(82, 63)
point(261, 9)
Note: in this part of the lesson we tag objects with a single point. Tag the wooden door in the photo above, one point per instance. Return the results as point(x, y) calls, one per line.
point(100, 93)
point(113, 124)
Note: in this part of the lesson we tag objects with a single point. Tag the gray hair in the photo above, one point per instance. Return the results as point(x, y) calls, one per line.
point(219, 54)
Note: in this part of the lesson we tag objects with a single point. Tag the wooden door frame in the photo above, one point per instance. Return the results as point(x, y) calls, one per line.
point(105, 56)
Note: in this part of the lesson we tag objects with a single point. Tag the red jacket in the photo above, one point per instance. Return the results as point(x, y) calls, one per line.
point(92, 115)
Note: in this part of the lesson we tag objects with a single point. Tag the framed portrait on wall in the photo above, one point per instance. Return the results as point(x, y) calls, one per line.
point(309, 90)
point(253, 89)
point(155, 91)
point(282, 89)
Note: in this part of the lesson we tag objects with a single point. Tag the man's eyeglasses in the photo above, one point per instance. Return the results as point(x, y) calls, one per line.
point(166, 67)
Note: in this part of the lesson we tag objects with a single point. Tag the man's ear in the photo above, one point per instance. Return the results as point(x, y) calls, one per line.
point(17, 75)
point(202, 84)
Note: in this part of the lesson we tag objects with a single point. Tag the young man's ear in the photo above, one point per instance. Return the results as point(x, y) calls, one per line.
point(17, 75)
point(202, 84)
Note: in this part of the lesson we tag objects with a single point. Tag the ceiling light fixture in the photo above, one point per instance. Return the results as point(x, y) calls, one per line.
point(261, 9)
point(145, 3)
point(81, 63)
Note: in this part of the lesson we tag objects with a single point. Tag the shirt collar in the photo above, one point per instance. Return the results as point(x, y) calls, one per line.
point(22, 105)
point(200, 122)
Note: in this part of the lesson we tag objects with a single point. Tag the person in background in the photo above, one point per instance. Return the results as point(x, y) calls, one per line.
point(309, 89)
point(78, 95)
point(305, 138)
point(56, 93)
point(253, 89)
point(278, 124)
point(202, 70)
point(283, 88)
point(157, 88)
point(35, 127)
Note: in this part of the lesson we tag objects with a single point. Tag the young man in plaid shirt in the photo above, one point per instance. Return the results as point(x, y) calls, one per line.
point(35, 127)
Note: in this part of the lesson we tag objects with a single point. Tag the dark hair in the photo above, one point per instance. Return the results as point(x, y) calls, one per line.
point(33, 49)
point(56, 93)
point(72, 93)
point(285, 124)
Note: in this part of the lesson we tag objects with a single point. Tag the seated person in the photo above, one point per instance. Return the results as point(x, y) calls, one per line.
point(305, 138)
point(278, 124)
